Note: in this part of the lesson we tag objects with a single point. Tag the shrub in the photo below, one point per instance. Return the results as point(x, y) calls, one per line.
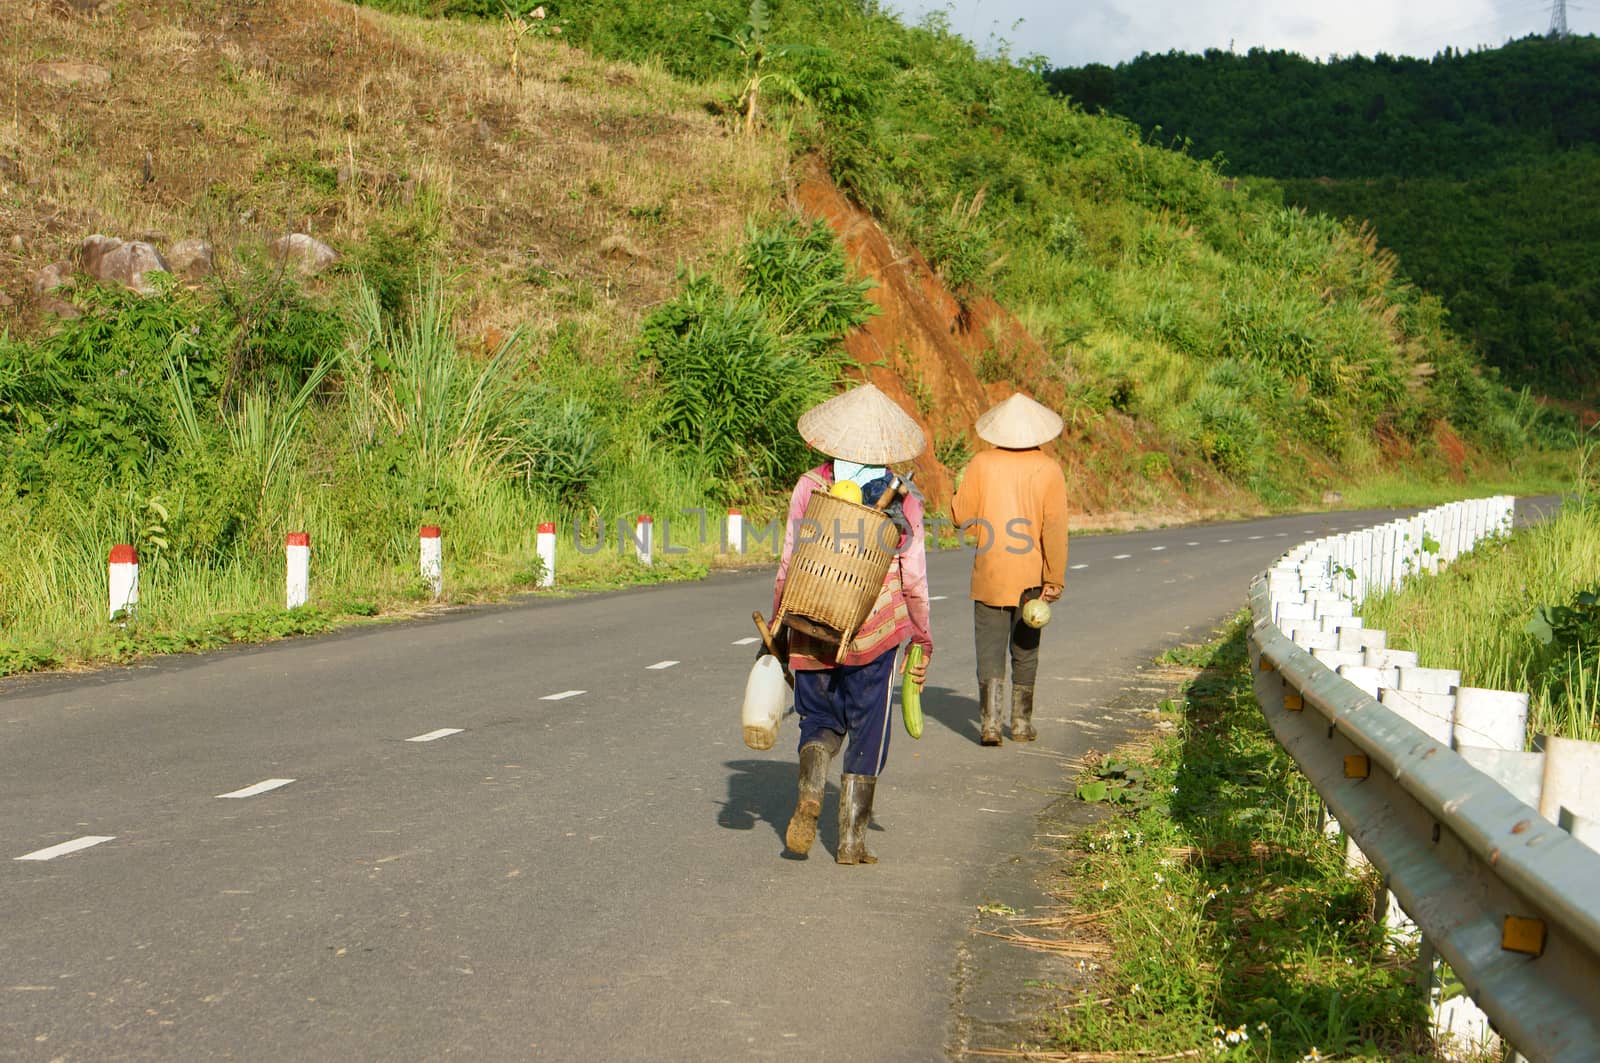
point(731, 388)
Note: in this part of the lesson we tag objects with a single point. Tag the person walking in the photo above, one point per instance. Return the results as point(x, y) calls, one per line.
point(1015, 498)
point(843, 692)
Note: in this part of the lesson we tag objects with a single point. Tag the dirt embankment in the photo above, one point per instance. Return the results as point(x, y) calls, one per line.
point(921, 349)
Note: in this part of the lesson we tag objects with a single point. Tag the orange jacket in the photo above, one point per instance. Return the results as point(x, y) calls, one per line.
point(1016, 502)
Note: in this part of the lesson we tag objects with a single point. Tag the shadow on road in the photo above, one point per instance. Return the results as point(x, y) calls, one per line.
point(957, 711)
point(763, 791)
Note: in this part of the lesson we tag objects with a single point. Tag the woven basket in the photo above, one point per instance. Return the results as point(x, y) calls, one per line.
point(835, 576)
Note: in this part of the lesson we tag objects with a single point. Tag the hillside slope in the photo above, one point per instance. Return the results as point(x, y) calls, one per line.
point(574, 191)
point(1476, 168)
point(573, 290)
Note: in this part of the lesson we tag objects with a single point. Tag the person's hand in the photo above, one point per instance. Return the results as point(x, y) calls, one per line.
point(918, 672)
point(1051, 592)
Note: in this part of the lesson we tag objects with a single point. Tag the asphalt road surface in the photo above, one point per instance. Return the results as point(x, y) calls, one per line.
point(254, 855)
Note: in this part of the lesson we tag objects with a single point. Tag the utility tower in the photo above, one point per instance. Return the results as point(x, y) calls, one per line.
point(1558, 19)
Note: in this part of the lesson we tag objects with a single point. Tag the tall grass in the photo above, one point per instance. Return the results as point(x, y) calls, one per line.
point(405, 421)
point(1475, 616)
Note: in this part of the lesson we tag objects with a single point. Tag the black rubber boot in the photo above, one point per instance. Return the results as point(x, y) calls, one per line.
point(814, 760)
point(990, 692)
point(855, 812)
point(1022, 715)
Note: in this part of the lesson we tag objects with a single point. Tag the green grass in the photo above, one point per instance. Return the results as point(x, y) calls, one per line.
point(406, 425)
point(1235, 929)
point(1475, 615)
point(1402, 488)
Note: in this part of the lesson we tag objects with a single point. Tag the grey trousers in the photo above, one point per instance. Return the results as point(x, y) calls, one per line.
point(1000, 633)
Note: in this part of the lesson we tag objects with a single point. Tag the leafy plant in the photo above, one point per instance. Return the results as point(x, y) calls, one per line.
point(1574, 628)
point(749, 41)
point(952, 450)
point(1115, 780)
point(731, 388)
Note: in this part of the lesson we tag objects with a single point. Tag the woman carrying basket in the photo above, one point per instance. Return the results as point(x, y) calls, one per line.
point(842, 691)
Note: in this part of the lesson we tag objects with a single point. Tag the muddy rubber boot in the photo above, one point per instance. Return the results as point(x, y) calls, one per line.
point(1022, 715)
point(855, 812)
point(989, 694)
point(814, 759)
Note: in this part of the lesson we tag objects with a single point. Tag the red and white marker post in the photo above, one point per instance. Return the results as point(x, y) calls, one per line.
point(431, 559)
point(733, 534)
point(547, 554)
point(644, 539)
point(297, 583)
point(124, 580)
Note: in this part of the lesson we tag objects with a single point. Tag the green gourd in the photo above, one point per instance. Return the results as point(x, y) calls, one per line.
point(911, 694)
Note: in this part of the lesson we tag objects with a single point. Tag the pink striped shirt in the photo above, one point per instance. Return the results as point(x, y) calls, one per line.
point(902, 605)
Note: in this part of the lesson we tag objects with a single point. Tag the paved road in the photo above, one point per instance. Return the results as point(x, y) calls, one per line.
point(591, 867)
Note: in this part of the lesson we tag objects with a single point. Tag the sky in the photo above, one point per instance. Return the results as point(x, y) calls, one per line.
point(1075, 32)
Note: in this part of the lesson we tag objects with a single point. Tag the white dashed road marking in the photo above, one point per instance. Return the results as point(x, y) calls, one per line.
point(1191, 544)
point(565, 694)
point(259, 788)
point(1075, 567)
point(1253, 538)
point(67, 847)
point(1121, 557)
point(660, 665)
point(1224, 540)
point(938, 597)
point(1156, 548)
point(746, 642)
point(443, 732)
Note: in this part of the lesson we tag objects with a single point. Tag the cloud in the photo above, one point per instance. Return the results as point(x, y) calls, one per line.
point(1073, 32)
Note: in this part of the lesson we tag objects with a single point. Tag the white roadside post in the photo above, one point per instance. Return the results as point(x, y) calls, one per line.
point(431, 559)
point(547, 554)
point(124, 580)
point(644, 537)
point(297, 583)
point(733, 532)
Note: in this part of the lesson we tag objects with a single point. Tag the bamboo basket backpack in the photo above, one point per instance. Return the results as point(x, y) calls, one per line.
point(836, 574)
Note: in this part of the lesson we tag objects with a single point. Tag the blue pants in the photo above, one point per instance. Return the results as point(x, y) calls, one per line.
point(849, 700)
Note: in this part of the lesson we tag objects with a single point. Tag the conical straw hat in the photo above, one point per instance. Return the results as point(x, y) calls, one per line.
point(1019, 423)
point(862, 425)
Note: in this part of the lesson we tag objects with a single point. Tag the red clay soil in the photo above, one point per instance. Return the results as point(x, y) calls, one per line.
point(921, 335)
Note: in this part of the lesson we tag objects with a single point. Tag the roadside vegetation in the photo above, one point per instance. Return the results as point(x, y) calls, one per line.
point(1236, 930)
point(1519, 613)
point(572, 287)
point(1276, 347)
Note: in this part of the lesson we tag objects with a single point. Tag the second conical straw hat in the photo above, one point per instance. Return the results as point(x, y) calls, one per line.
point(862, 425)
point(1019, 423)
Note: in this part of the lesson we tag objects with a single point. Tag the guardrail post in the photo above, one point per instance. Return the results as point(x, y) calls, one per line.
point(1569, 793)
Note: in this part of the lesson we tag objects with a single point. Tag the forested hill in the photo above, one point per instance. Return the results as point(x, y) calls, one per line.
point(1278, 113)
point(1481, 170)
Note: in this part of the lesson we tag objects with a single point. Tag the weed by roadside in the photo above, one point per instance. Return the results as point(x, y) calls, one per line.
point(1517, 614)
point(1236, 930)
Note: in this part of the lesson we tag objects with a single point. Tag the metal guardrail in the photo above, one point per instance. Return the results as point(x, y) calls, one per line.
point(1508, 898)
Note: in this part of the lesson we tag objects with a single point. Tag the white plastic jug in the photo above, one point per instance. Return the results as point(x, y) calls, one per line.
point(766, 695)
